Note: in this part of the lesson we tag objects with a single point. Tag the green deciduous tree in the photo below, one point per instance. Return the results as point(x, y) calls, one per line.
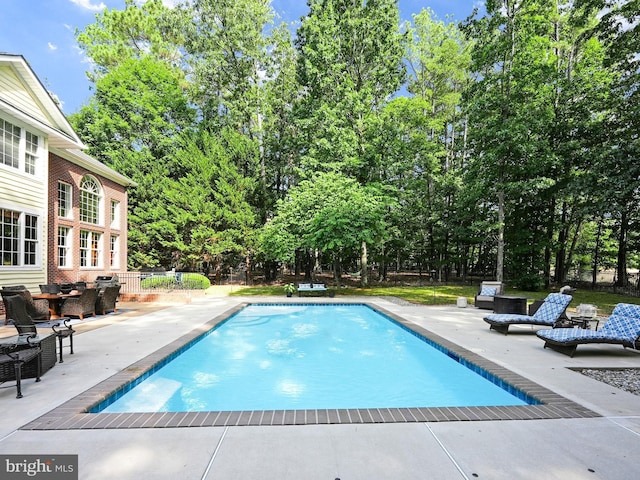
point(328, 213)
point(227, 49)
point(350, 62)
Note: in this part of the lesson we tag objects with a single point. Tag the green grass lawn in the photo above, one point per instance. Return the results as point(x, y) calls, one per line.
point(448, 295)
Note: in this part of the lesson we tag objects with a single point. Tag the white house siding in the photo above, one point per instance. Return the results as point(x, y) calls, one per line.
point(13, 91)
point(26, 193)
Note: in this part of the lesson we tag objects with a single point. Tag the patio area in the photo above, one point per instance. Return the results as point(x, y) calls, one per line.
point(606, 446)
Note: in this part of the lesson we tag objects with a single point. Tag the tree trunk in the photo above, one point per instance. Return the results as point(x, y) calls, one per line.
point(308, 264)
point(596, 255)
point(547, 248)
point(500, 256)
point(383, 265)
point(622, 250)
point(364, 265)
point(336, 269)
point(248, 274)
point(572, 249)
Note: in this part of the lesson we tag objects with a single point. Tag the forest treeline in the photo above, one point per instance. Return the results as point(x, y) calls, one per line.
point(504, 146)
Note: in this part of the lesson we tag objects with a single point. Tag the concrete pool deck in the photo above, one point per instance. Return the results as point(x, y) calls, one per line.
point(605, 446)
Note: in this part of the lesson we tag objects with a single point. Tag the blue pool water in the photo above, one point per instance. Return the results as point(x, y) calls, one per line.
point(282, 357)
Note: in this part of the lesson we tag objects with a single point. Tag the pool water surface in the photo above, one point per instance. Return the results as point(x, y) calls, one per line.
point(310, 356)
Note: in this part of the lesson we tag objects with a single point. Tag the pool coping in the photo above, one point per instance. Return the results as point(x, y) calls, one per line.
point(73, 414)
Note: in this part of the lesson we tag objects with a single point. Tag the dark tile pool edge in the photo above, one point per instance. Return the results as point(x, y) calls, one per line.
point(73, 415)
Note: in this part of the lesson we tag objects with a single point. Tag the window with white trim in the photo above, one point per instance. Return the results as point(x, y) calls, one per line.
point(19, 148)
point(90, 198)
point(90, 248)
point(64, 246)
point(64, 200)
point(114, 261)
point(30, 240)
point(9, 144)
point(115, 214)
point(19, 239)
point(31, 152)
point(10, 237)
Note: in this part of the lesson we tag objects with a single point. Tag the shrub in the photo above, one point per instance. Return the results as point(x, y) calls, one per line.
point(195, 281)
point(158, 282)
point(188, 281)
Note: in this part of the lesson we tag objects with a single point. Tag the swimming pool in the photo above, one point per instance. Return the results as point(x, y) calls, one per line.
point(310, 356)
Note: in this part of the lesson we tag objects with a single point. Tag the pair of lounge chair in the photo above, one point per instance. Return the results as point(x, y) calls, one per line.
point(621, 328)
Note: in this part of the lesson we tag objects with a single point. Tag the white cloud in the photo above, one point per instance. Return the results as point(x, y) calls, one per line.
point(52, 47)
point(166, 3)
point(86, 4)
point(175, 3)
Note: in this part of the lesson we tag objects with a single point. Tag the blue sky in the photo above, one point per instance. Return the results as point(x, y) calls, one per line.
point(43, 31)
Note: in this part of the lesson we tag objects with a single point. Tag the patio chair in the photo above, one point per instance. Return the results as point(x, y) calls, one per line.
point(548, 314)
point(38, 309)
point(621, 328)
point(484, 298)
point(107, 299)
point(52, 288)
point(25, 325)
point(80, 306)
point(9, 354)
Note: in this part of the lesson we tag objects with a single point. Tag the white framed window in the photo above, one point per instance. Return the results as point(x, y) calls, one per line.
point(31, 152)
point(30, 240)
point(19, 239)
point(90, 248)
point(19, 148)
point(64, 247)
point(64, 200)
point(114, 250)
point(115, 214)
point(9, 144)
point(90, 200)
point(10, 237)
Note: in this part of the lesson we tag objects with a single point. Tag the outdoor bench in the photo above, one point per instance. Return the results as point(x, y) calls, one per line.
point(312, 288)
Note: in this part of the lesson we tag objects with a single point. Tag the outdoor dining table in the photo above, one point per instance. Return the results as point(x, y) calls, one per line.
point(55, 301)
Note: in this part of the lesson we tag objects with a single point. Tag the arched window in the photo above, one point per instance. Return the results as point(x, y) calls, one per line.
point(90, 199)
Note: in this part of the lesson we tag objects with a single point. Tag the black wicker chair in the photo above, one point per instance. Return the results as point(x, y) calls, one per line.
point(80, 306)
point(107, 299)
point(52, 288)
point(38, 309)
point(25, 326)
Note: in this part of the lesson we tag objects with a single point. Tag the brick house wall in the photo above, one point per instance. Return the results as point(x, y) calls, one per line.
point(63, 170)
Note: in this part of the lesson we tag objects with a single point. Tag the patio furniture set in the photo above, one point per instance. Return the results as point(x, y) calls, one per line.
point(622, 327)
point(55, 301)
point(31, 353)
